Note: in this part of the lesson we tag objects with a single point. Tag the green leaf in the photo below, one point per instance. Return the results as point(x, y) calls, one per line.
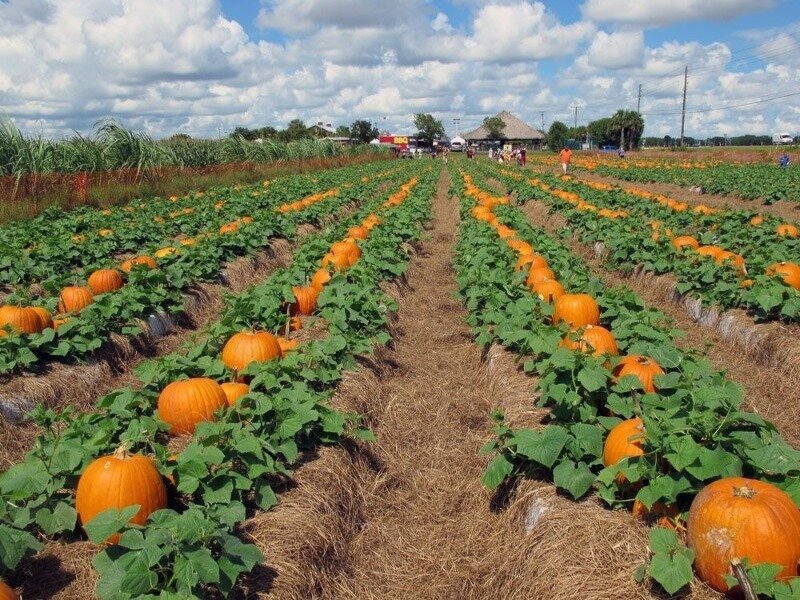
point(62, 518)
point(577, 479)
point(543, 447)
point(672, 572)
point(593, 378)
point(497, 471)
point(109, 522)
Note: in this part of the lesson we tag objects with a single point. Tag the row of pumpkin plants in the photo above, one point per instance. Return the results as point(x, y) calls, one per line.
point(728, 259)
point(169, 518)
point(634, 419)
point(746, 180)
point(114, 299)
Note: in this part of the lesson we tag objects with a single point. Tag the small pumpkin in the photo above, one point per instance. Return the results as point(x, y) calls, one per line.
point(21, 319)
point(185, 403)
point(756, 220)
point(103, 281)
point(738, 518)
point(625, 440)
point(548, 290)
point(105, 232)
point(229, 228)
point(118, 481)
point(664, 515)
point(166, 251)
point(594, 339)
point(246, 347)
point(358, 232)
point(305, 300)
point(789, 272)
point(234, 390)
point(74, 299)
point(731, 258)
point(643, 367)
point(539, 274)
point(787, 230)
point(6, 592)
point(286, 345)
point(339, 262)
point(685, 241)
point(710, 251)
point(577, 310)
point(319, 279)
point(139, 261)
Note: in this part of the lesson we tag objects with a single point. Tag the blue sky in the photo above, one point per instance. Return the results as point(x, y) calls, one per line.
point(205, 66)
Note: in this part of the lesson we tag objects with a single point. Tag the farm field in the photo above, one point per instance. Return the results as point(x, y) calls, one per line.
point(400, 379)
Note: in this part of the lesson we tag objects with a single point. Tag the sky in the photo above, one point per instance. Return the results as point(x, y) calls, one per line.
point(204, 67)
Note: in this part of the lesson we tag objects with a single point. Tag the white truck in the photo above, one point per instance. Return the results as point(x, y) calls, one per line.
point(782, 138)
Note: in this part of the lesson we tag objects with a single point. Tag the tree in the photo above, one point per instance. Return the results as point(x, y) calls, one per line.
point(295, 130)
point(428, 128)
point(602, 133)
point(628, 126)
point(557, 136)
point(494, 127)
point(343, 131)
point(363, 131)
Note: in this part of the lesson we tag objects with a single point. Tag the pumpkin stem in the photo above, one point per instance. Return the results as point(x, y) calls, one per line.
point(288, 321)
point(122, 452)
point(744, 492)
point(744, 581)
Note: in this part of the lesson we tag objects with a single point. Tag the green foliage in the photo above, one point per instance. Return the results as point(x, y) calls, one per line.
point(556, 136)
point(494, 127)
point(428, 127)
point(363, 131)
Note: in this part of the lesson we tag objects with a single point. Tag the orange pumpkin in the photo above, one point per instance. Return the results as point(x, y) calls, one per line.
point(118, 481)
point(286, 345)
point(234, 390)
point(738, 518)
point(339, 262)
point(6, 593)
point(229, 228)
point(577, 310)
point(185, 403)
point(623, 441)
point(757, 220)
point(74, 299)
point(44, 316)
point(521, 247)
point(789, 272)
point(320, 278)
point(139, 261)
point(548, 290)
point(727, 257)
point(643, 367)
point(103, 281)
point(787, 230)
point(594, 339)
point(305, 300)
point(710, 251)
point(531, 260)
point(664, 515)
point(249, 346)
point(348, 249)
point(683, 241)
point(166, 251)
point(20, 319)
point(539, 274)
point(358, 232)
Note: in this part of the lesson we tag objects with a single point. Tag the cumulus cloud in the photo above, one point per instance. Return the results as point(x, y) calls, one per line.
point(619, 50)
point(304, 16)
point(665, 12)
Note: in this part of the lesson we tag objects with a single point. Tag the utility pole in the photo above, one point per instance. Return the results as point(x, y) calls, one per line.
point(457, 120)
point(542, 112)
point(683, 111)
point(576, 116)
point(639, 101)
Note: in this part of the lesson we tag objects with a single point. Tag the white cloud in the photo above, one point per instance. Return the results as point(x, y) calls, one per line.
point(305, 16)
point(619, 50)
point(665, 12)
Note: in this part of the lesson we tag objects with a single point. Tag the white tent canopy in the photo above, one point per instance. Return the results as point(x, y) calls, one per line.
point(458, 140)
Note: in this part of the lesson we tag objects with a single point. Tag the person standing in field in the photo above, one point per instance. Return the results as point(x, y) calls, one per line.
point(783, 161)
point(566, 156)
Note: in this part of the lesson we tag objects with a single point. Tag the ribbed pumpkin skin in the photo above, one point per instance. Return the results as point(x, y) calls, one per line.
point(595, 339)
point(183, 404)
point(340, 262)
point(45, 318)
point(348, 249)
point(539, 274)
point(577, 310)
point(319, 279)
point(103, 281)
point(74, 299)
point(685, 240)
point(789, 272)
point(359, 233)
point(21, 319)
point(644, 367)
point(305, 301)
point(246, 347)
point(286, 346)
point(532, 261)
point(548, 290)
point(145, 261)
point(6, 593)
point(234, 390)
point(741, 518)
point(118, 481)
point(623, 441)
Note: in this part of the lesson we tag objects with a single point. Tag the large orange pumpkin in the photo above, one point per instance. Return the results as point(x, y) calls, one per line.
point(787, 230)
point(731, 258)
point(319, 279)
point(139, 261)
point(531, 260)
point(74, 299)
point(539, 274)
point(623, 441)
point(738, 518)
point(185, 403)
point(710, 251)
point(683, 241)
point(548, 290)
point(757, 220)
point(21, 319)
point(789, 272)
point(103, 281)
point(358, 232)
point(340, 262)
point(594, 339)
point(305, 300)
point(348, 249)
point(643, 367)
point(118, 481)
point(286, 345)
point(6, 593)
point(250, 346)
point(520, 247)
point(577, 310)
point(234, 390)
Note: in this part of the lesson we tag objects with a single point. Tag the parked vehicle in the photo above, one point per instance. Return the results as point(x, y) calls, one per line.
point(782, 138)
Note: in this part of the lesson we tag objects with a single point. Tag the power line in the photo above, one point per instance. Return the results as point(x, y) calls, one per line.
point(713, 108)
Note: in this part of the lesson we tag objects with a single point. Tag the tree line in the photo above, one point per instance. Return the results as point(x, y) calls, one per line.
point(622, 129)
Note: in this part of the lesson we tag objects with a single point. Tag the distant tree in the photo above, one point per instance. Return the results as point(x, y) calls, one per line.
point(428, 128)
point(295, 130)
point(179, 137)
point(342, 131)
point(557, 136)
point(628, 126)
point(602, 132)
point(494, 127)
point(267, 132)
point(363, 131)
point(244, 132)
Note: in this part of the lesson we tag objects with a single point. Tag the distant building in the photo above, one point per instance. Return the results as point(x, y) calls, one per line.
point(515, 132)
point(322, 130)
